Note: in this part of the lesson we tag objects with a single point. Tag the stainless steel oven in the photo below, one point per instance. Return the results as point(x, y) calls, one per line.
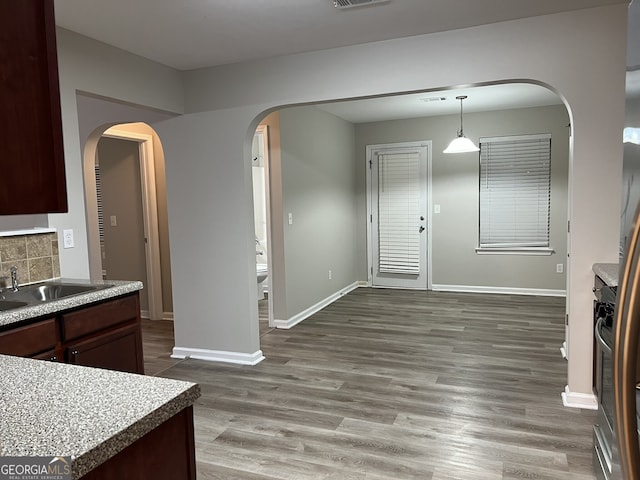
point(603, 431)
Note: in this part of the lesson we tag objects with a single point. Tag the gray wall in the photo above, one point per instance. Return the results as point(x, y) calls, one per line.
point(319, 190)
point(579, 54)
point(455, 189)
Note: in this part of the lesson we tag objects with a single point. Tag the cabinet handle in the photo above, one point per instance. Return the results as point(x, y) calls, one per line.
point(75, 353)
point(54, 358)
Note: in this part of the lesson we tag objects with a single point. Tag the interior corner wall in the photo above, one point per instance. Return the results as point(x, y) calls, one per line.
point(455, 188)
point(319, 193)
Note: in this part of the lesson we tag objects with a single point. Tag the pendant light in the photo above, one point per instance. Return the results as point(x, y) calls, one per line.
point(461, 144)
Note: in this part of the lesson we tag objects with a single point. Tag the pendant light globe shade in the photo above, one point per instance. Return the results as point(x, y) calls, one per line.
point(461, 145)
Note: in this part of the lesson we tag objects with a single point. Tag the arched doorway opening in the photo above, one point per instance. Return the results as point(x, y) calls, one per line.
point(126, 212)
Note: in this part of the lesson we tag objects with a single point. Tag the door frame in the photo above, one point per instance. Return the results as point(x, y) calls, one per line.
point(150, 216)
point(368, 158)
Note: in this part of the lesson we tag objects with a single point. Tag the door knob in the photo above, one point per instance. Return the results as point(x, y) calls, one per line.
point(421, 229)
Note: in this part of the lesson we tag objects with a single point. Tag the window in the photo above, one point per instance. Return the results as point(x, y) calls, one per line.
point(515, 187)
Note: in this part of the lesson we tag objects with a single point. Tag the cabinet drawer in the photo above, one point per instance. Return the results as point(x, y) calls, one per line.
point(29, 340)
point(99, 317)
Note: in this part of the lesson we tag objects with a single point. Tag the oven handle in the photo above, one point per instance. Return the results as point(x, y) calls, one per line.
point(603, 344)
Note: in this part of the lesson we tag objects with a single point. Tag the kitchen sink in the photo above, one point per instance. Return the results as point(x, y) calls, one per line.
point(44, 292)
point(11, 304)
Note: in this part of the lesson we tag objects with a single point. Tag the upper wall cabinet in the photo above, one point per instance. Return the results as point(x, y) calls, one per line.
point(32, 178)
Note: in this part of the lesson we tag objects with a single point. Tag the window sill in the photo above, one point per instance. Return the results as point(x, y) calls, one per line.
point(514, 251)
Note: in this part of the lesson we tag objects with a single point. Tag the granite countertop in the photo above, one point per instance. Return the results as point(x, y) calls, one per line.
point(608, 272)
point(90, 414)
point(115, 289)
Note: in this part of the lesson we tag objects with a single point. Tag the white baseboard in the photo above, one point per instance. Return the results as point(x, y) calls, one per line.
point(579, 400)
point(165, 315)
point(218, 355)
point(296, 319)
point(503, 290)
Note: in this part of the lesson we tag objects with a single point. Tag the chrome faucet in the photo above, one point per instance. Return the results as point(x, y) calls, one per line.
point(14, 279)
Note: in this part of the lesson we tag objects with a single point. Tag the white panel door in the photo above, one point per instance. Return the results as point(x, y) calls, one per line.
point(398, 195)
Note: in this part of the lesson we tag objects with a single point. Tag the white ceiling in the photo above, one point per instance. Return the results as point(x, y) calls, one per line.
point(190, 34)
point(492, 97)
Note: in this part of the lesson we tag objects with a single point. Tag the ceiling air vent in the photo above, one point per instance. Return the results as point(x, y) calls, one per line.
point(355, 3)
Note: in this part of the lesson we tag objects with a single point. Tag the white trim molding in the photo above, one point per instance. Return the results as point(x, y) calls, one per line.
point(28, 231)
point(544, 292)
point(167, 316)
point(514, 251)
point(218, 355)
point(296, 319)
point(579, 400)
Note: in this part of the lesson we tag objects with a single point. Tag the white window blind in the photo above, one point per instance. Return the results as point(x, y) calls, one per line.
point(515, 186)
point(99, 202)
point(398, 213)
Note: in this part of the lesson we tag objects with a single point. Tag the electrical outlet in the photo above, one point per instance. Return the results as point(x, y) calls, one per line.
point(559, 268)
point(67, 238)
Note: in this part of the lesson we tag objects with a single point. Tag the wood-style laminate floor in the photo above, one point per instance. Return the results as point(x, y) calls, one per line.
point(392, 384)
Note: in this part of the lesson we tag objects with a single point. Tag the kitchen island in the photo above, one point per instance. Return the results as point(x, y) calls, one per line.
point(112, 424)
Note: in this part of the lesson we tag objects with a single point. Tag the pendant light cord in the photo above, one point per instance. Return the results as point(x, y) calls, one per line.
point(461, 132)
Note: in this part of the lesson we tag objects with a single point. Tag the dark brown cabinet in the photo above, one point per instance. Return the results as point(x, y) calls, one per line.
point(165, 453)
point(40, 339)
point(104, 335)
point(31, 148)
point(116, 350)
point(51, 356)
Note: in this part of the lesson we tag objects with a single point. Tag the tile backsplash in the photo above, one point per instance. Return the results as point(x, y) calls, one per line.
point(35, 256)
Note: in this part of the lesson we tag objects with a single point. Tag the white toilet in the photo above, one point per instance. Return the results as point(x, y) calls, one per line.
point(262, 271)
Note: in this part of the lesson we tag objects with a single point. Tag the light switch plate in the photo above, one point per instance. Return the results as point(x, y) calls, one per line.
point(67, 239)
point(436, 208)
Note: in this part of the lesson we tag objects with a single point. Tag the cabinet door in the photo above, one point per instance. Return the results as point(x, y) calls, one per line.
point(51, 356)
point(118, 349)
point(30, 340)
point(33, 176)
